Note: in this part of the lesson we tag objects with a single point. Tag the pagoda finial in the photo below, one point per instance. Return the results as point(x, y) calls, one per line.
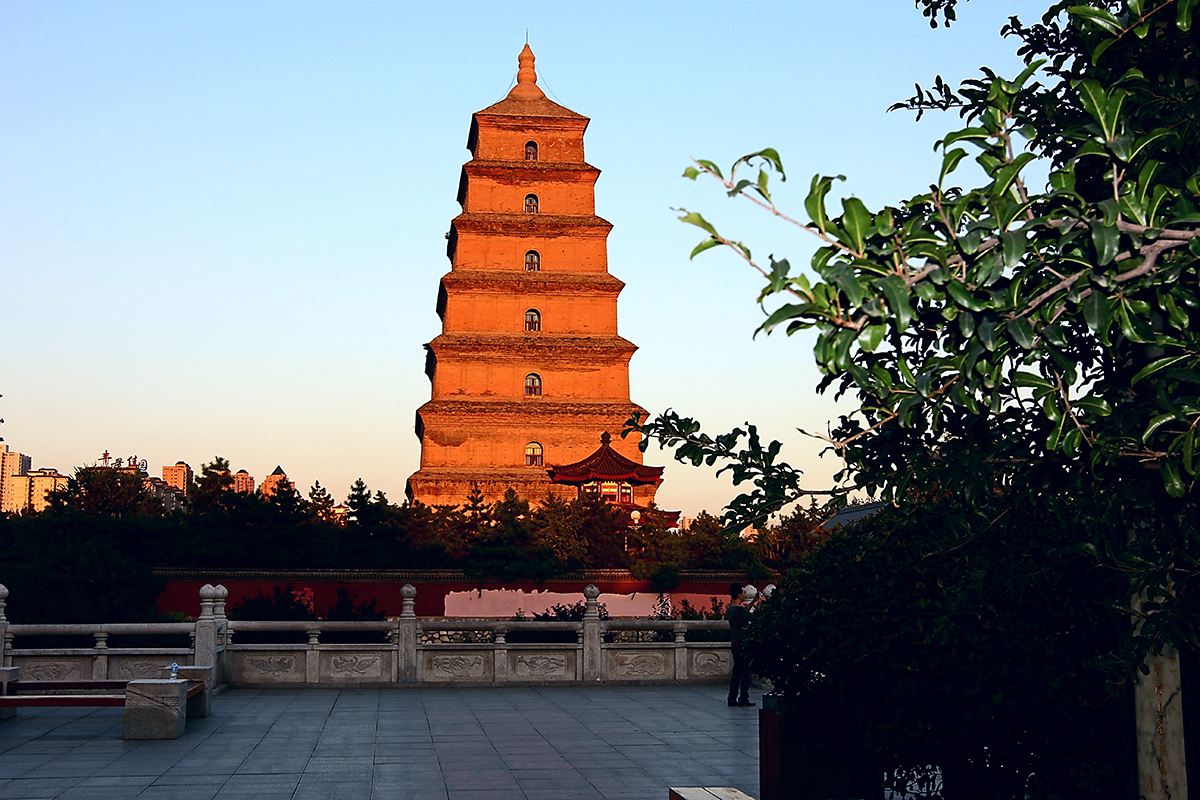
point(605, 439)
point(526, 88)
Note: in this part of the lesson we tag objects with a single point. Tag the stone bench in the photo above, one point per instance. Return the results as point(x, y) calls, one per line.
point(708, 793)
point(154, 709)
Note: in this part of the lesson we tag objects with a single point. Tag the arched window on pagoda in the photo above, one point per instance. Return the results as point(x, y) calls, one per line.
point(531, 204)
point(533, 321)
point(531, 151)
point(533, 261)
point(533, 455)
point(533, 385)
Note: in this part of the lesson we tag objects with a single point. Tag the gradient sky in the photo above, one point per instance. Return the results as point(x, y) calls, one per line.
point(221, 223)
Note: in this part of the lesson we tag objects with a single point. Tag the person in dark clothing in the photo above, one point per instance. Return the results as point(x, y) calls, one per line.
point(739, 679)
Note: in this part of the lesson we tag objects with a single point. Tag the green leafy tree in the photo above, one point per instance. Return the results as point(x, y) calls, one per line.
point(1003, 334)
point(1008, 346)
point(104, 491)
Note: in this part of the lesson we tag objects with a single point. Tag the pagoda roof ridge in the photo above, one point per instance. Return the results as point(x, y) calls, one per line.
point(605, 464)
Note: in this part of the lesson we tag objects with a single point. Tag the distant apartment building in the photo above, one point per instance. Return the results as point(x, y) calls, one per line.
point(243, 482)
point(178, 476)
point(28, 492)
point(11, 463)
point(274, 482)
point(170, 497)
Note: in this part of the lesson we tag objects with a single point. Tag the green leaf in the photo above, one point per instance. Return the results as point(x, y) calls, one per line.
point(1031, 381)
point(1012, 247)
point(710, 166)
point(694, 218)
point(963, 296)
point(1095, 101)
point(1156, 366)
point(950, 162)
point(857, 221)
point(707, 244)
point(896, 290)
point(1106, 239)
point(1021, 332)
point(787, 312)
point(815, 202)
point(871, 336)
point(848, 282)
point(1006, 175)
point(1094, 405)
point(1183, 16)
point(966, 134)
point(1097, 16)
point(1156, 423)
point(1172, 480)
point(691, 173)
point(1096, 313)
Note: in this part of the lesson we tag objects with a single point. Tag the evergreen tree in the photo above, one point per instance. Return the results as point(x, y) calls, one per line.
point(359, 502)
point(320, 502)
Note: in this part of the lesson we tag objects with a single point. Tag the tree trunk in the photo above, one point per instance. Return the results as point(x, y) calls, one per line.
point(1158, 703)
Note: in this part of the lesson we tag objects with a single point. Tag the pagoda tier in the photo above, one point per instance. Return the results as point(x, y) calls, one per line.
point(529, 367)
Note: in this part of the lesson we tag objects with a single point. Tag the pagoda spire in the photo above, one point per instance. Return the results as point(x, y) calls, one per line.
point(526, 88)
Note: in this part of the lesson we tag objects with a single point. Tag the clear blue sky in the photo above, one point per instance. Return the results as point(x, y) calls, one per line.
point(221, 224)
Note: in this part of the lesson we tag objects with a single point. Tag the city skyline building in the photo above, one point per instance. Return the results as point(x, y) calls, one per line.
point(529, 369)
point(12, 464)
point(243, 482)
point(274, 482)
point(178, 476)
point(28, 491)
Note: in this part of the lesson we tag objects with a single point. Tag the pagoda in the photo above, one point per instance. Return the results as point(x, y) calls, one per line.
point(529, 368)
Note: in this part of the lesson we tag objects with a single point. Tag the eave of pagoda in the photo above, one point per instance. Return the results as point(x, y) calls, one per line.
point(512, 281)
point(524, 226)
point(541, 348)
point(464, 411)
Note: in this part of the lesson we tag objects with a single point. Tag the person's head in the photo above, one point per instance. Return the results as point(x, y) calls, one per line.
point(749, 593)
point(735, 592)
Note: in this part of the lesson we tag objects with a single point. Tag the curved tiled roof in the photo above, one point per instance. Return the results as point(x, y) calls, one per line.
point(605, 464)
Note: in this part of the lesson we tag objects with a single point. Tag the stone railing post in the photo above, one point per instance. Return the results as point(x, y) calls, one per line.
point(223, 634)
point(5, 642)
point(406, 636)
point(312, 657)
point(100, 660)
point(1158, 701)
point(591, 634)
point(681, 653)
point(500, 653)
point(204, 646)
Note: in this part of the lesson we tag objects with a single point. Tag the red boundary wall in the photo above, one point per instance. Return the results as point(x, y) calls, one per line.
point(182, 591)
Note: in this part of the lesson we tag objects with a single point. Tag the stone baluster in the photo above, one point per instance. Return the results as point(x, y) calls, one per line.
point(5, 639)
point(500, 653)
point(681, 651)
point(406, 636)
point(204, 647)
point(592, 664)
point(100, 659)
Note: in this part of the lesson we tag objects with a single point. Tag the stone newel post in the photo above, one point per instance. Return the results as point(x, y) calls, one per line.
point(204, 653)
point(406, 636)
point(4, 656)
point(591, 634)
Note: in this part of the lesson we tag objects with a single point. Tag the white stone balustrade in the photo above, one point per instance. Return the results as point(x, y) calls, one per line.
point(407, 649)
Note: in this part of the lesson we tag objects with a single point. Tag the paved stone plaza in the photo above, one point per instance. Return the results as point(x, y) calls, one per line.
point(561, 743)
